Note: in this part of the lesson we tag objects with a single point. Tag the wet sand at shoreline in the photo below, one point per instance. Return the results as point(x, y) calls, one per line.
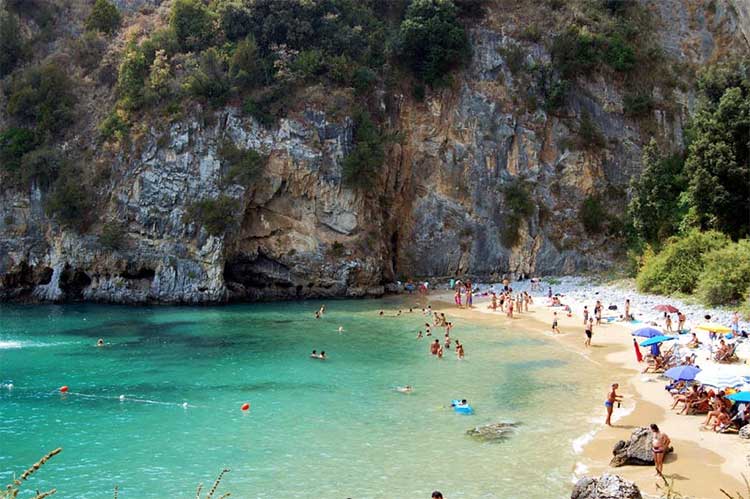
point(703, 462)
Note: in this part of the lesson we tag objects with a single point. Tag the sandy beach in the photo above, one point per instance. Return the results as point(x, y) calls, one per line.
point(703, 462)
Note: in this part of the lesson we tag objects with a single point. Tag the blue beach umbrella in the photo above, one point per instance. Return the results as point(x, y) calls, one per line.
point(647, 332)
point(657, 339)
point(682, 373)
point(739, 397)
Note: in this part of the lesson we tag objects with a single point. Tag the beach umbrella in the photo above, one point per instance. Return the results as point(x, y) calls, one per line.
point(739, 397)
point(682, 373)
point(657, 339)
point(666, 308)
point(721, 377)
point(713, 327)
point(647, 332)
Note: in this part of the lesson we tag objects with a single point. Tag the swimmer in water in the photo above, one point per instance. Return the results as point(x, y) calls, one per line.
point(420, 335)
point(322, 355)
point(100, 342)
point(314, 355)
point(380, 313)
point(404, 389)
point(341, 329)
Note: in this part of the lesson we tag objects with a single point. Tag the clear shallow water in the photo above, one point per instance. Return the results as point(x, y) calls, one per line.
point(316, 429)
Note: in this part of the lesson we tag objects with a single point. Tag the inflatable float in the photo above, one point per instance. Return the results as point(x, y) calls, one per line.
point(465, 409)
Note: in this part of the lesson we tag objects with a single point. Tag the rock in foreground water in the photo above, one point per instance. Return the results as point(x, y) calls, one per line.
point(492, 432)
point(636, 451)
point(605, 487)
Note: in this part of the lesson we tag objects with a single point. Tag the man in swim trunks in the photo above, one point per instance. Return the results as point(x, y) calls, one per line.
point(589, 332)
point(612, 397)
point(555, 329)
point(434, 347)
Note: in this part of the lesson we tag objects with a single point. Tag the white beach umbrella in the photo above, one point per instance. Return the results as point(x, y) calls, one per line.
point(723, 376)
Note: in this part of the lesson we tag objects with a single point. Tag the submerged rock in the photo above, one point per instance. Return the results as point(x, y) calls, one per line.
point(636, 451)
point(605, 487)
point(492, 432)
point(745, 431)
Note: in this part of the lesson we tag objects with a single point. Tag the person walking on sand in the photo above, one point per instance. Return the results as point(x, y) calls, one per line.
point(627, 310)
point(668, 322)
point(585, 314)
point(457, 296)
point(589, 333)
point(638, 354)
point(660, 444)
point(612, 397)
point(555, 329)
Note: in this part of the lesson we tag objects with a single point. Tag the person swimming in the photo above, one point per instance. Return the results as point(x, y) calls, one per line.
point(100, 342)
point(420, 335)
point(341, 329)
point(404, 389)
point(314, 355)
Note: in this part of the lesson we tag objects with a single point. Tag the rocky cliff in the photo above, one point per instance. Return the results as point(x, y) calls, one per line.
point(440, 207)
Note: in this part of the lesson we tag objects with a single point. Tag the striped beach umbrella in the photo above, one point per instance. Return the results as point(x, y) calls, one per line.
point(723, 376)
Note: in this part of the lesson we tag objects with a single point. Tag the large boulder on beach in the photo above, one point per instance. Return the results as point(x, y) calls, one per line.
point(745, 431)
point(637, 450)
point(492, 432)
point(605, 487)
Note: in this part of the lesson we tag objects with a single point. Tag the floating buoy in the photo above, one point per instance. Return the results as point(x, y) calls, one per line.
point(245, 407)
point(64, 389)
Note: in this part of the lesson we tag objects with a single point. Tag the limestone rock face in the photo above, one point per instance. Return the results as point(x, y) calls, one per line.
point(439, 207)
point(605, 487)
point(638, 450)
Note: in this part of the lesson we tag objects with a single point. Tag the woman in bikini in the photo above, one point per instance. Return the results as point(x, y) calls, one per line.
point(659, 443)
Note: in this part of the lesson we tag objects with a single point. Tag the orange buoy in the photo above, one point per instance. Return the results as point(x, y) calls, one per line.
point(245, 407)
point(64, 389)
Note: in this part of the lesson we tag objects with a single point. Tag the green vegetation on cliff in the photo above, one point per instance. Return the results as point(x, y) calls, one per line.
point(708, 189)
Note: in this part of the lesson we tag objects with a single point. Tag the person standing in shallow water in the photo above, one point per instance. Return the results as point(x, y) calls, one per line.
point(434, 347)
point(612, 398)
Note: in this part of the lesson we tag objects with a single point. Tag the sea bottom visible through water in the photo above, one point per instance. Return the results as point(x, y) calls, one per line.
point(333, 429)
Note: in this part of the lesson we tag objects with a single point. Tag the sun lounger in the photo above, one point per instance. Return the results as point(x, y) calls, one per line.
point(729, 356)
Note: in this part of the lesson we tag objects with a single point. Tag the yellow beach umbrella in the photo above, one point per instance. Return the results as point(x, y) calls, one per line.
point(713, 327)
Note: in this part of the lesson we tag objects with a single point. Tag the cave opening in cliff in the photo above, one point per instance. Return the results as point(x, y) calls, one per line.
point(139, 273)
point(73, 282)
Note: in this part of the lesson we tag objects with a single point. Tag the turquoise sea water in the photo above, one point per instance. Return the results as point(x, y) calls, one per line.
point(332, 429)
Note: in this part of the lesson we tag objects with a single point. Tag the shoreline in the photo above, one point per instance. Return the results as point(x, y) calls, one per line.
point(703, 462)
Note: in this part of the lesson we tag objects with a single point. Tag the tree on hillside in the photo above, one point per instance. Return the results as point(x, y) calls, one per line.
point(192, 23)
point(718, 162)
point(431, 40)
point(11, 42)
point(655, 208)
point(104, 17)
